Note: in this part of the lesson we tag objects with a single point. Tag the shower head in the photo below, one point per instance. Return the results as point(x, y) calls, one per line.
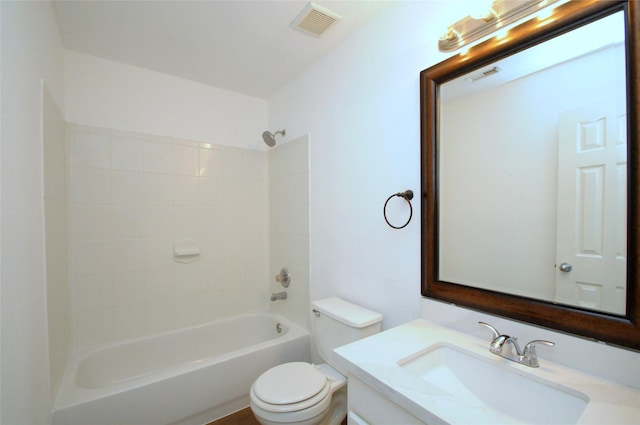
point(270, 138)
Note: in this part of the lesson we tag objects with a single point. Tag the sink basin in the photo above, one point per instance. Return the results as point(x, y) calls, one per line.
point(500, 392)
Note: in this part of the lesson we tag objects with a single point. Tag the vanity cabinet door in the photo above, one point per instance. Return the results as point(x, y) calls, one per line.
point(368, 407)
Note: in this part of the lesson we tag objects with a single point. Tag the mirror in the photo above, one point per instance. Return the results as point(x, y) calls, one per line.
point(500, 205)
point(527, 109)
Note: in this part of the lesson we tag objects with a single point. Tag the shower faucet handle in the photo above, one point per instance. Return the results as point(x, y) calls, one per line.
point(284, 277)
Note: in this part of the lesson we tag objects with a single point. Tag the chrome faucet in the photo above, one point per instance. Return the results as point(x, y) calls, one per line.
point(527, 357)
point(279, 296)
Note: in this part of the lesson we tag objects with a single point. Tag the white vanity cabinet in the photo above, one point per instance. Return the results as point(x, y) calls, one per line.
point(369, 407)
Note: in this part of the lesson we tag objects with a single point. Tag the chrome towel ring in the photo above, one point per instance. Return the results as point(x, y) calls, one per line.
point(408, 196)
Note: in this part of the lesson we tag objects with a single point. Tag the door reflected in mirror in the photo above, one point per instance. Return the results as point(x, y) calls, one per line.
point(532, 172)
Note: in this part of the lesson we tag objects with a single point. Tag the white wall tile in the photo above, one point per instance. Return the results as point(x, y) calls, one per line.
point(212, 303)
point(128, 322)
point(186, 221)
point(159, 284)
point(157, 189)
point(90, 148)
point(229, 273)
point(186, 279)
point(211, 221)
point(126, 187)
point(129, 221)
point(93, 328)
point(238, 301)
point(233, 164)
point(158, 157)
point(291, 249)
point(159, 316)
point(92, 222)
point(212, 248)
point(289, 159)
point(158, 253)
point(127, 255)
point(256, 169)
point(211, 277)
point(185, 190)
point(90, 186)
point(244, 192)
point(129, 288)
point(290, 219)
point(91, 257)
point(255, 192)
point(157, 220)
point(211, 162)
point(245, 220)
point(93, 292)
point(188, 311)
point(185, 160)
point(290, 189)
point(211, 192)
point(127, 151)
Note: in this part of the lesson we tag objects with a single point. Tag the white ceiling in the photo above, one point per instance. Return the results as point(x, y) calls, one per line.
point(240, 45)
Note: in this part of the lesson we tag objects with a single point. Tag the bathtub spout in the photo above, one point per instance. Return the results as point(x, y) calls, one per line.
point(279, 296)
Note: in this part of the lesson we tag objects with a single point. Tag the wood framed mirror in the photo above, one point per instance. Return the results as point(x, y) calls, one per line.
point(620, 328)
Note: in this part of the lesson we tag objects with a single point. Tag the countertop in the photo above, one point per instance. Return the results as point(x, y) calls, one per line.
point(374, 360)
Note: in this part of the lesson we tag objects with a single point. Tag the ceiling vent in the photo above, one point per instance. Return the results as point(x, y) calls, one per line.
point(482, 74)
point(315, 20)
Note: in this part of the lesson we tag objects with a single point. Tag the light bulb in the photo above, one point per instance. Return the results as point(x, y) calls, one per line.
point(482, 9)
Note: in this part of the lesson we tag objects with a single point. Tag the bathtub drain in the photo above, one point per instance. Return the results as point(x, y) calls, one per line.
point(278, 327)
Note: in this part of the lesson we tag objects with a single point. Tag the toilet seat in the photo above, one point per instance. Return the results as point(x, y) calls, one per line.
point(290, 387)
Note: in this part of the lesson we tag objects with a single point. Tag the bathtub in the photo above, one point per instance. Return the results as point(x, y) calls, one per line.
point(187, 377)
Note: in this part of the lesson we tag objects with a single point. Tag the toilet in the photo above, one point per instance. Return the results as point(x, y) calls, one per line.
point(299, 393)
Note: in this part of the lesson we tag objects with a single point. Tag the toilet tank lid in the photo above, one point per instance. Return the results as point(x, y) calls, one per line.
point(346, 312)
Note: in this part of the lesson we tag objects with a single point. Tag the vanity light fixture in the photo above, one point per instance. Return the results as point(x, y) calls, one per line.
point(494, 16)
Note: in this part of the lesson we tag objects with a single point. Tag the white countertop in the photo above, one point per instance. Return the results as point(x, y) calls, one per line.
point(374, 360)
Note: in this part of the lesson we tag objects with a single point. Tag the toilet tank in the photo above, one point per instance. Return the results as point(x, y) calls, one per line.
point(336, 322)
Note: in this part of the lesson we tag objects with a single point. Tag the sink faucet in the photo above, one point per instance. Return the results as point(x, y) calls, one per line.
point(527, 357)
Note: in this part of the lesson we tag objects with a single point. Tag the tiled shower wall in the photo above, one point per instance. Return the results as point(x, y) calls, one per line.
point(132, 197)
point(289, 225)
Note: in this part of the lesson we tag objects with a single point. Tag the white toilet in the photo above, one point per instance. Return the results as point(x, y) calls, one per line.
point(305, 394)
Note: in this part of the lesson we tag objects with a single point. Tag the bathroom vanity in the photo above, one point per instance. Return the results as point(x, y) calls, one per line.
point(424, 373)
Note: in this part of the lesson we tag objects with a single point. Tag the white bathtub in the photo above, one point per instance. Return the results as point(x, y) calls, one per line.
point(186, 377)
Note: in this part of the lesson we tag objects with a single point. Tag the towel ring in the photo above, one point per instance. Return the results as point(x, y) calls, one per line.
point(408, 196)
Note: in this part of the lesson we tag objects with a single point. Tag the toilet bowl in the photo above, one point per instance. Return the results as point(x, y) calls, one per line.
point(301, 393)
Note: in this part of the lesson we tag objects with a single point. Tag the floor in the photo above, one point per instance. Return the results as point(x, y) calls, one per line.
point(241, 417)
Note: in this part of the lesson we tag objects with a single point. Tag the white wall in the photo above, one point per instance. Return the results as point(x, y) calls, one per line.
point(56, 211)
point(361, 105)
point(108, 94)
point(31, 51)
